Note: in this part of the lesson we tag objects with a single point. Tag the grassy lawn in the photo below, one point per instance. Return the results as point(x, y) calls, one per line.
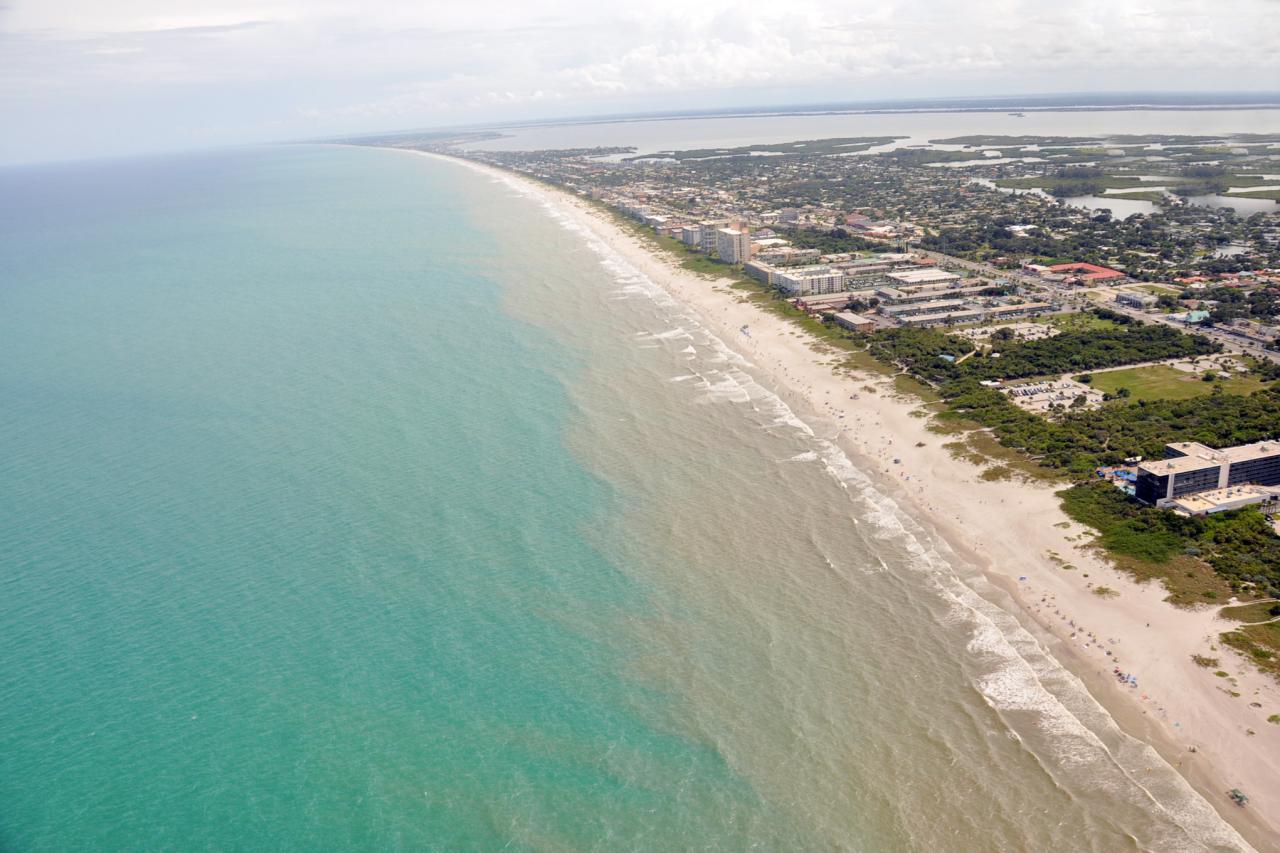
point(1160, 382)
point(1160, 289)
point(1077, 322)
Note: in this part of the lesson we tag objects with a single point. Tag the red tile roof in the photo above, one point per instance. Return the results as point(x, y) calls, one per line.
point(1090, 272)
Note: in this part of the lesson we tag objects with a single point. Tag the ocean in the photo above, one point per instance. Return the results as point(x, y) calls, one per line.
point(356, 500)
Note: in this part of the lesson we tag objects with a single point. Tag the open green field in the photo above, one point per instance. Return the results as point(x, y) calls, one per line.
point(1160, 382)
point(1076, 322)
point(1160, 289)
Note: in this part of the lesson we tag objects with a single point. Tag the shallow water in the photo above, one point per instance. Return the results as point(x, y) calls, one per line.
point(361, 501)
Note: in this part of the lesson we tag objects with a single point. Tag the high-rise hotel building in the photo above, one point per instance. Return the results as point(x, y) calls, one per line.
point(1190, 467)
point(733, 245)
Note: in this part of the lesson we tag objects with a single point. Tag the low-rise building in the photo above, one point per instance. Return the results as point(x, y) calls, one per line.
point(828, 301)
point(1137, 299)
point(1089, 273)
point(898, 296)
point(908, 309)
point(853, 322)
point(943, 318)
point(759, 270)
point(1232, 497)
point(923, 275)
point(1022, 309)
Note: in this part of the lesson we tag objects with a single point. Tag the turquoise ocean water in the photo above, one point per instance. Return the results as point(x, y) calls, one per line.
point(350, 500)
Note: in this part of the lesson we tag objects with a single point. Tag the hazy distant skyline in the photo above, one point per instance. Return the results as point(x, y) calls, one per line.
point(80, 78)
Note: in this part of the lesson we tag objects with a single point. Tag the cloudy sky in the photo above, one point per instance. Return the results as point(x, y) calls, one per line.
point(82, 78)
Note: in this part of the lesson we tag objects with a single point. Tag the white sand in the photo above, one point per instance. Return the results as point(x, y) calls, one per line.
point(1010, 527)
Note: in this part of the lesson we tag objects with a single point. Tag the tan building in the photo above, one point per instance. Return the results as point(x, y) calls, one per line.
point(733, 245)
point(853, 322)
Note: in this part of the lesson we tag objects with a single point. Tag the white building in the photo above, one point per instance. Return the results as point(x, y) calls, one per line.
point(707, 233)
point(691, 235)
point(808, 281)
point(927, 275)
point(1134, 299)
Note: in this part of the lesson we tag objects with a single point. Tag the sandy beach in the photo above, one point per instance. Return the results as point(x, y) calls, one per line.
point(1017, 532)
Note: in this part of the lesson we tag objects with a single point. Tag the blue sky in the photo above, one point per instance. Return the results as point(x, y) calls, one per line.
point(82, 78)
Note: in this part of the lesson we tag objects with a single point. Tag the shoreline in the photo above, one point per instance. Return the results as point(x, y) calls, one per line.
point(1015, 532)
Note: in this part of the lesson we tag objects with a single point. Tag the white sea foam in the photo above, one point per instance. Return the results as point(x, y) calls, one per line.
point(678, 333)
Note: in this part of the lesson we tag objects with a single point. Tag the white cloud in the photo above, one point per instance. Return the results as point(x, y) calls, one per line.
point(329, 64)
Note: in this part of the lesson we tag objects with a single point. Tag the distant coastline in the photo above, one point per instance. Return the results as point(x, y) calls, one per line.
point(1145, 102)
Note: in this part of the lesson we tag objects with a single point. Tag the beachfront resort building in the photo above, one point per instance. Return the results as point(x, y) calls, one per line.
point(707, 233)
point(733, 245)
point(807, 281)
point(1191, 468)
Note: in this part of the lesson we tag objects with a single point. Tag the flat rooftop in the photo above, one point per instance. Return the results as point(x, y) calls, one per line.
point(941, 316)
point(934, 307)
point(1232, 497)
point(1092, 272)
point(1196, 456)
point(813, 299)
point(922, 276)
point(1021, 306)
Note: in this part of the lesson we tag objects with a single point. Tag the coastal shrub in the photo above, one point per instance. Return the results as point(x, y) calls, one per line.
point(918, 350)
point(1080, 440)
point(1240, 545)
